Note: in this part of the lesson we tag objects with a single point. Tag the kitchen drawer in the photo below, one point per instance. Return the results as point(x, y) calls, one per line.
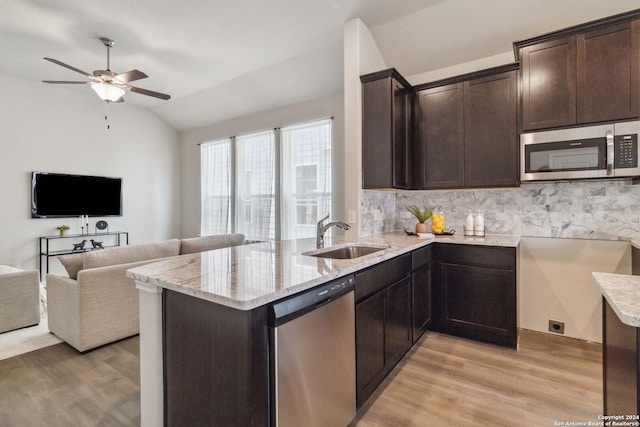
point(381, 276)
point(480, 256)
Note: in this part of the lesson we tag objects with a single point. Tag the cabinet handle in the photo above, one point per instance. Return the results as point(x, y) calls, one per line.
point(609, 136)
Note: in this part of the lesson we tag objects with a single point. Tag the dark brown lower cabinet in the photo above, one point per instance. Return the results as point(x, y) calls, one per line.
point(621, 364)
point(421, 291)
point(383, 322)
point(370, 348)
point(216, 369)
point(476, 293)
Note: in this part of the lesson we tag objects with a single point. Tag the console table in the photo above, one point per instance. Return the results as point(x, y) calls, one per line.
point(119, 238)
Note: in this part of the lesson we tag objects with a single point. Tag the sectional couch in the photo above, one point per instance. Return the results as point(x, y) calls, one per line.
point(97, 303)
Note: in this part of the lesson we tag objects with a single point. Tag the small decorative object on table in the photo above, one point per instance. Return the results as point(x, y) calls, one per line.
point(96, 245)
point(421, 215)
point(79, 246)
point(102, 225)
point(63, 230)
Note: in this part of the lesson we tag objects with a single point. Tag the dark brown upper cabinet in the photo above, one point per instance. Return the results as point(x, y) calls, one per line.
point(468, 135)
point(491, 139)
point(387, 105)
point(549, 84)
point(441, 145)
point(584, 74)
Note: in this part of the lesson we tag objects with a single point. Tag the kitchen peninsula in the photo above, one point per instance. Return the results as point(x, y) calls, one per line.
point(204, 321)
point(621, 343)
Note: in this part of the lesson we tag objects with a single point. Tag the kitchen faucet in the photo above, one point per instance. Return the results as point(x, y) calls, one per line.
point(322, 228)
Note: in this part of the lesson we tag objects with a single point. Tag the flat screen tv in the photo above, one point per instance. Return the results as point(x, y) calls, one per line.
point(55, 195)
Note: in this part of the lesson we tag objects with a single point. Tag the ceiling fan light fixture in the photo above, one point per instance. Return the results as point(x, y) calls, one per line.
point(107, 91)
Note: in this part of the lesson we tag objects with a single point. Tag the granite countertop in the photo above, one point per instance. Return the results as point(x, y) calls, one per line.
point(249, 276)
point(622, 292)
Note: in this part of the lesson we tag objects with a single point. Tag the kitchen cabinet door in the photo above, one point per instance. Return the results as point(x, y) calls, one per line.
point(398, 327)
point(491, 140)
point(370, 345)
point(608, 73)
point(386, 130)
point(549, 84)
point(441, 145)
point(477, 293)
point(421, 292)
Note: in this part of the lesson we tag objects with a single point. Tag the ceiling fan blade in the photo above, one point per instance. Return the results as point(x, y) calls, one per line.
point(63, 82)
point(130, 76)
point(149, 92)
point(62, 64)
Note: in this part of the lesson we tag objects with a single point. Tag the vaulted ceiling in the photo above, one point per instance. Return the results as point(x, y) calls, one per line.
point(224, 59)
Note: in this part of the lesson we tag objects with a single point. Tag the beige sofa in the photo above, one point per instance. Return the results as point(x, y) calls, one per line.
point(98, 304)
point(19, 298)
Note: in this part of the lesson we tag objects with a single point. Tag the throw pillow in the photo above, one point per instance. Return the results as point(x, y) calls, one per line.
point(72, 263)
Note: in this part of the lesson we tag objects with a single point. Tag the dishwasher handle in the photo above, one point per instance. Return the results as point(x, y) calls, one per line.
point(291, 308)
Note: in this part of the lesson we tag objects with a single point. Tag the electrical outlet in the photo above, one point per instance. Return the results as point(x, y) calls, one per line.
point(556, 326)
point(351, 217)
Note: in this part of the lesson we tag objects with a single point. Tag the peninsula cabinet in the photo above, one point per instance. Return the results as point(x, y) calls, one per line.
point(383, 322)
point(475, 293)
point(468, 135)
point(580, 75)
point(620, 363)
point(387, 105)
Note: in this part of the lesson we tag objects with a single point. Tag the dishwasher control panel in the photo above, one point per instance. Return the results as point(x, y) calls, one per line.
point(299, 304)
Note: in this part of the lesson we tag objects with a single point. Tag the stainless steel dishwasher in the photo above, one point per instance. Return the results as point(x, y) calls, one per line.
point(313, 367)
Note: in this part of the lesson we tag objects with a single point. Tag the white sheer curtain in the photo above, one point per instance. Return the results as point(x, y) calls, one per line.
point(306, 177)
point(255, 186)
point(215, 187)
point(267, 185)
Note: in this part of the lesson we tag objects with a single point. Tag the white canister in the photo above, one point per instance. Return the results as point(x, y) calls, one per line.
point(468, 225)
point(478, 225)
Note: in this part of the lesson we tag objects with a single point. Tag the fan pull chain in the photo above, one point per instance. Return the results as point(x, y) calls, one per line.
point(106, 115)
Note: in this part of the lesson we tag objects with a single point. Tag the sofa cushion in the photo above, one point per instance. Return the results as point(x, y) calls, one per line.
point(209, 243)
point(131, 253)
point(72, 263)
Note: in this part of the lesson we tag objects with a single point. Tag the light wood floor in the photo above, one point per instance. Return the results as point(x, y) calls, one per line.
point(57, 386)
point(448, 381)
point(443, 381)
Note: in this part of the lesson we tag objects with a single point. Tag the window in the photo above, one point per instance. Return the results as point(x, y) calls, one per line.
point(277, 183)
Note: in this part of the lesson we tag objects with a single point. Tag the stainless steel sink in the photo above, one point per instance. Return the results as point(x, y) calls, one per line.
point(345, 252)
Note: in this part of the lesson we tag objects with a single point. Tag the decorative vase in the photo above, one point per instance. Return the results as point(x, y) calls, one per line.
point(421, 227)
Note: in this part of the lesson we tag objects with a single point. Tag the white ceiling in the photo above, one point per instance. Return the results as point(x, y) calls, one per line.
point(222, 59)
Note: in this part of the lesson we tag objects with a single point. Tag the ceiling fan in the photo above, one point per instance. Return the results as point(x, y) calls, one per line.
point(109, 86)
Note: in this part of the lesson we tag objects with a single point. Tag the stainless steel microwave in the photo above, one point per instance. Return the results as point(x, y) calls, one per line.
point(603, 151)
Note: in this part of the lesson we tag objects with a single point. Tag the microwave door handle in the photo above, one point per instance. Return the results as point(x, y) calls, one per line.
point(609, 136)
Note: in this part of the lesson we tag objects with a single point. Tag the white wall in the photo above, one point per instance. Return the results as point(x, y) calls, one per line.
point(555, 283)
point(54, 129)
point(329, 106)
point(361, 56)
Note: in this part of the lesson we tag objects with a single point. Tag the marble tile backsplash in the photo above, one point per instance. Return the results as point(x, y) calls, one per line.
point(603, 209)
